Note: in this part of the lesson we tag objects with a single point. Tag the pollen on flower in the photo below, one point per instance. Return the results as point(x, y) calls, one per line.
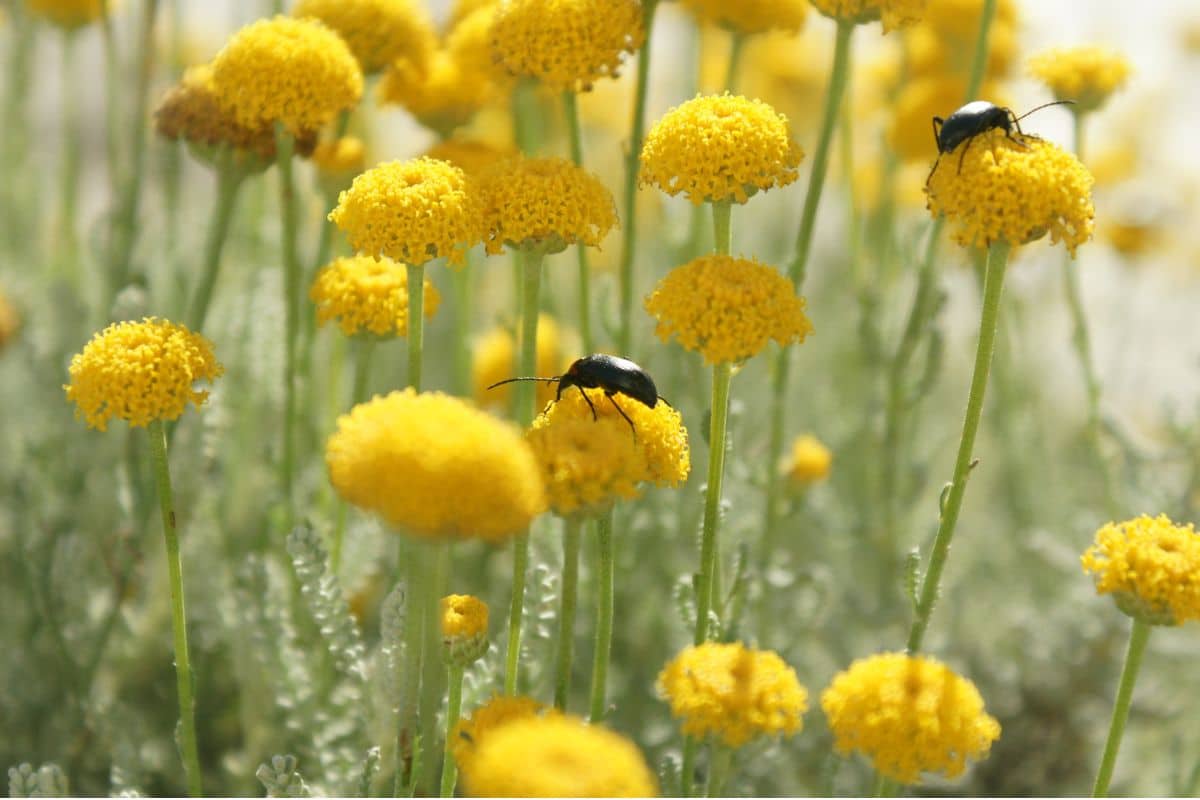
point(892, 13)
point(377, 31)
point(471, 731)
point(1087, 75)
point(751, 16)
point(367, 296)
point(495, 359)
point(140, 372)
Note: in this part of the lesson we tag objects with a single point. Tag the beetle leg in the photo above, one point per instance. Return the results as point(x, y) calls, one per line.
point(938, 122)
point(966, 147)
point(587, 400)
point(621, 411)
point(933, 169)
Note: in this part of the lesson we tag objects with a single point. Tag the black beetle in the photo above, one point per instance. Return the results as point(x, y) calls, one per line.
point(973, 119)
point(613, 374)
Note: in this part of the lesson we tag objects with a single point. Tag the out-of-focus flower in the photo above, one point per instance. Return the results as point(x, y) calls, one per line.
point(1151, 566)
point(464, 620)
point(471, 731)
point(892, 13)
point(495, 359)
point(337, 162)
point(10, 322)
point(909, 132)
point(442, 96)
point(68, 14)
point(809, 462)
point(751, 16)
point(1087, 75)
point(472, 156)
point(377, 31)
point(365, 295)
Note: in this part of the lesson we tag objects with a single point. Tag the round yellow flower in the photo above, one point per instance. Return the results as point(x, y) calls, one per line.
point(469, 43)
point(436, 467)
point(789, 72)
point(69, 14)
point(377, 31)
point(367, 296)
point(909, 132)
point(1088, 74)
point(464, 621)
point(495, 359)
point(892, 13)
point(566, 44)
point(1151, 566)
point(472, 156)
point(810, 460)
point(751, 16)
point(733, 693)
point(727, 308)
point(9, 321)
point(557, 756)
point(909, 715)
point(140, 372)
point(442, 96)
point(934, 52)
point(410, 211)
point(546, 202)
point(959, 19)
point(1015, 191)
point(345, 156)
point(719, 147)
point(502, 709)
point(294, 71)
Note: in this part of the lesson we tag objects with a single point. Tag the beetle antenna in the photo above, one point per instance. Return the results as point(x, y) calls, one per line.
point(1046, 105)
point(511, 380)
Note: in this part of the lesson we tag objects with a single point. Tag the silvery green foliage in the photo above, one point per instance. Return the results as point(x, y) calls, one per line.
point(370, 768)
point(392, 615)
point(325, 601)
point(540, 612)
point(482, 678)
point(281, 778)
point(47, 780)
point(669, 783)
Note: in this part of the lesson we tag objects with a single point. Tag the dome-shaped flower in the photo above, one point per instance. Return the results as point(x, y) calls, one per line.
point(908, 714)
point(442, 96)
point(719, 147)
point(377, 31)
point(294, 71)
point(1087, 75)
point(501, 709)
point(367, 296)
point(495, 360)
point(1012, 191)
point(566, 44)
point(69, 14)
point(140, 372)
point(733, 693)
point(809, 462)
point(727, 308)
point(557, 756)
point(434, 466)
point(410, 211)
point(472, 156)
point(464, 621)
point(549, 202)
point(9, 321)
point(1151, 566)
point(919, 101)
point(751, 16)
point(892, 13)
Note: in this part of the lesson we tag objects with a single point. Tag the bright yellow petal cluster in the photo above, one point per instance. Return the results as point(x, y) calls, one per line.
point(557, 756)
point(1151, 566)
point(377, 31)
point(464, 621)
point(436, 467)
point(9, 321)
point(719, 147)
point(410, 211)
point(810, 460)
point(909, 715)
point(751, 16)
point(69, 14)
point(294, 71)
point(1088, 74)
point(502, 709)
point(367, 296)
point(1015, 191)
point(566, 44)
point(727, 308)
point(140, 372)
point(734, 693)
point(546, 202)
point(472, 156)
point(892, 13)
point(495, 359)
point(442, 96)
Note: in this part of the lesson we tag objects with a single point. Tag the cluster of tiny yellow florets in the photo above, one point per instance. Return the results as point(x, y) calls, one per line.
point(140, 372)
point(892, 13)
point(1088, 75)
point(366, 295)
point(410, 211)
point(727, 308)
point(377, 31)
point(1015, 191)
point(472, 156)
point(464, 621)
point(294, 71)
point(734, 693)
point(69, 14)
point(751, 16)
point(470, 731)
point(719, 147)
point(434, 466)
point(809, 462)
point(495, 358)
point(566, 44)
point(909, 715)
point(1151, 566)
point(544, 202)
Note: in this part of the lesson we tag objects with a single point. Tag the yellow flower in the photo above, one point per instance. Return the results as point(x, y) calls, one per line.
point(547, 202)
point(790, 72)
point(1015, 191)
point(367, 296)
point(909, 132)
point(294, 71)
point(727, 308)
point(1151, 566)
point(556, 756)
point(892, 13)
point(377, 31)
point(495, 360)
point(719, 147)
point(469, 43)
point(1133, 236)
point(342, 157)
point(436, 467)
point(502, 709)
point(464, 621)
point(959, 19)
point(566, 44)
point(942, 44)
point(810, 460)
point(69, 14)
point(140, 372)
point(410, 211)
point(9, 321)
point(443, 96)
point(909, 715)
point(733, 693)
point(472, 156)
point(751, 16)
point(1088, 74)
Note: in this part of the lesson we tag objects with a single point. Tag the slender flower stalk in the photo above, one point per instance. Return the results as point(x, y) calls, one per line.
point(416, 324)
point(461, 281)
point(719, 762)
point(605, 570)
point(284, 148)
point(1138, 637)
point(414, 565)
point(364, 348)
point(69, 175)
point(432, 672)
point(737, 46)
point(229, 181)
point(568, 598)
point(454, 678)
point(575, 139)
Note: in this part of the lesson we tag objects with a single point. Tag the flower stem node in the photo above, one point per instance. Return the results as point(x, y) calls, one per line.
point(464, 620)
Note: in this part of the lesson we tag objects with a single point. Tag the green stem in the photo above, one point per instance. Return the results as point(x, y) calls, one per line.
point(416, 323)
point(566, 612)
point(460, 282)
point(414, 563)
point(431, 669)
point(183, 664)
point(709, 551)
point(524, 114)
point(605, 570)
point(229, 180)
point(993, 289)
point(687, 767)
point(454, 678)
point(980, 58)
point(1116, 729)
point(69, 176)
point(512, 660)
point(884, 786)
point(284, 147)
point(362, 371)
point(575, 140)
point(737, 46)
point(719, 762)
point(722, 211)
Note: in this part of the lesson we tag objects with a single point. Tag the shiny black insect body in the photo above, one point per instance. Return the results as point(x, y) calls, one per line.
point(613, 374)
point(975, 118)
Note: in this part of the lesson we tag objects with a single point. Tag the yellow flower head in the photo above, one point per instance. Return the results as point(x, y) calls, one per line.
point(10, 322)
point(932, 52)
point(502, 709)
point(377, 31)
point(751, 16)
point(787, 71)
point(556, 756)
point(294, 71)
point(719, 147)
point(566, 44)
point(908, 714)
point(1151, 566)
point(495, 359)
point(464, 628)
point(810, 460)
point(469, 43)
point(340, 158)
point(69, 14)
point(1088, 74)
point(410, 211)
point(436, 467)
point(727, 308)
point(472, 156)
point(959, 19)
point(919, 101)
point(732, 692)
point(140, 372)
point(367, 296)
point(1013, 191)
point(892, 13)
point(546, 202)
point(443, 96)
